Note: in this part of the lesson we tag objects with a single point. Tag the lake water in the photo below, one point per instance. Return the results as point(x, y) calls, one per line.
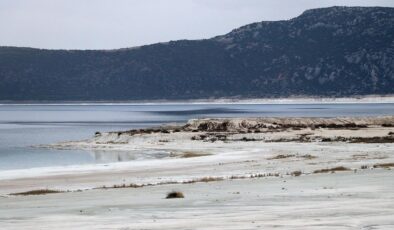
point(24, 126)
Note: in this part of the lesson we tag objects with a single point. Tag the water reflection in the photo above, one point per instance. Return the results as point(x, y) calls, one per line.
point(23, 126)
point(101, 156)
point(207, 111)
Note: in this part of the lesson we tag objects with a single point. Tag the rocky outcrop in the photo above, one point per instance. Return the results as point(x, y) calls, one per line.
point(229, 130)
point(245, 124)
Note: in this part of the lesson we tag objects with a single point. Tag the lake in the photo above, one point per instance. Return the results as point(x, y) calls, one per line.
point(24, 126)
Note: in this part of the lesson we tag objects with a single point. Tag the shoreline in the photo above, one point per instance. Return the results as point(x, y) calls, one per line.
point(287, 100)
point(203, 144)
point(239, 173)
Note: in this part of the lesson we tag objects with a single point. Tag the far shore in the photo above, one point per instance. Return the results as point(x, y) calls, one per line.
point(282, 100)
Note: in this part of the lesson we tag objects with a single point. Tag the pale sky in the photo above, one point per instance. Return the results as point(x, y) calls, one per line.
point(109, 24)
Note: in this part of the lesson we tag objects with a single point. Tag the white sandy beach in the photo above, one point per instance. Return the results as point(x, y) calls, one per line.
point(261, 184)
point(346, 200)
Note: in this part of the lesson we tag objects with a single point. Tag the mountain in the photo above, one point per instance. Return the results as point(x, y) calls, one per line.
point(336, 51)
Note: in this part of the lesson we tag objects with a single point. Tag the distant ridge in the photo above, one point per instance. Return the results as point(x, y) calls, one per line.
point(329, 52)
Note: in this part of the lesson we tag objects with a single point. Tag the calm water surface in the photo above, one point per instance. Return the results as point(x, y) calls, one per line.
point(23, 126)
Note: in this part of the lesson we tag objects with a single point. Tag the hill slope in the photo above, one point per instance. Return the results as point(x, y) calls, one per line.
point(337, 51)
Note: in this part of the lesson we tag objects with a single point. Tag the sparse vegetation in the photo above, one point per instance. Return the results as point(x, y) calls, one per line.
point(128, 74)
point(296, 173)
point(130, 186)
point(257, 175)
point(210, 137)
point(377, 139)
point(197, 180)
point(36, 192)
point(384, 165)
point(204, 179)
point(308, 156)
point(281, 156)
point(332, 170)
point(248, 139)
point(341, 126)
point(386, 139)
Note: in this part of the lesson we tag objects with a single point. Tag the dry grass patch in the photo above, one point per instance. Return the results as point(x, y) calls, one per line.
point(384, 139)
point(203, 179)
point(332, 170)
point(174, 195)
point(308, 156)
point(127, 186)
point(257, 175)
point(196, 180)
point(36, 192)
point(281, 156)
point(384, 165)
point(121, 186)
point(209, 179)
point(193, 154)
point(296, 173)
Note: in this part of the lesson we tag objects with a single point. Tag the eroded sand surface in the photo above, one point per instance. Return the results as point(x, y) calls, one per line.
point(362, 200)
point(262, 173)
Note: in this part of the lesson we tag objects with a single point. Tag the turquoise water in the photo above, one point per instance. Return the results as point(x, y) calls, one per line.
point(23, 126)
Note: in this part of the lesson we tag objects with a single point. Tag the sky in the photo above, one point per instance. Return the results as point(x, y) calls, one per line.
point(111, 24)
